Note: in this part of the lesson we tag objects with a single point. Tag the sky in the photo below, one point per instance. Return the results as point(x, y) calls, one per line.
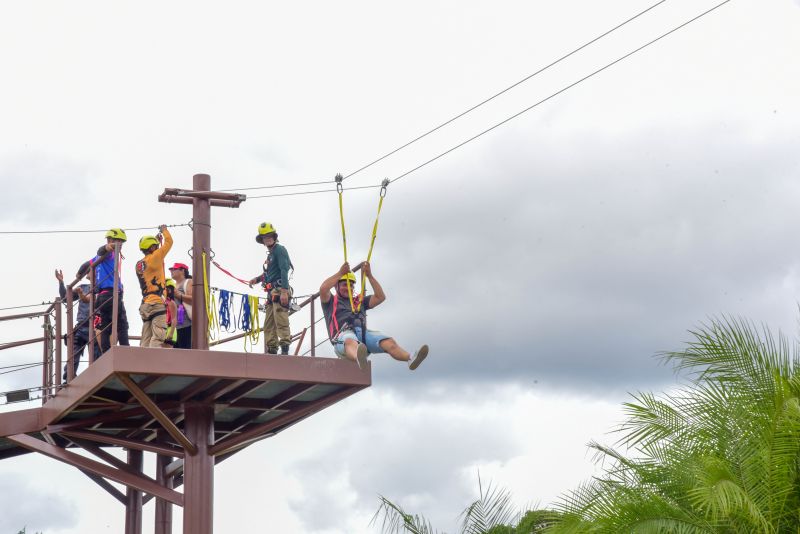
point(547, 263)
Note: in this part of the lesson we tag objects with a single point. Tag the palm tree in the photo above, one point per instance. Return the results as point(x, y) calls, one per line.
point(491, 513)
point(721, 454)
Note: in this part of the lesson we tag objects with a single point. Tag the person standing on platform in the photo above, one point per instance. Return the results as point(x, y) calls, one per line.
point(150, 271)
point(80, 334)
point(104, 289)
point(180, 273)
point(275, 281)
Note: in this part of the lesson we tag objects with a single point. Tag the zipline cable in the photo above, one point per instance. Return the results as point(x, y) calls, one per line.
point(553, 95)
point(564, 89)
point(507, 89)
point(9, 232)
point(465, 112)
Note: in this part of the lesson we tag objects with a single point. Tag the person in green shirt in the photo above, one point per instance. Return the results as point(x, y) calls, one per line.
point(275, 281)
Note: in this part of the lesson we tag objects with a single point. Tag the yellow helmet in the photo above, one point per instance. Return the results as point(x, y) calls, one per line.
point(146, 242)
point(348, 276)
point(170, 282)
point(264, 229)
point(117, 233)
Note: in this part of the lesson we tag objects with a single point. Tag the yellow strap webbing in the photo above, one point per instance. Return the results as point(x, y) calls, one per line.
point(255, 328)
point(344, 244)
point(211, 303)
point(371, 245)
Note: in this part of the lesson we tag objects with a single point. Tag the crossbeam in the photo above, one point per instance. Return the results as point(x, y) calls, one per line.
point(62, 455)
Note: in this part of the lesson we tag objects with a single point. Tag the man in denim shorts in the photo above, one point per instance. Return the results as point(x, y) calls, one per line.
point(347, 325)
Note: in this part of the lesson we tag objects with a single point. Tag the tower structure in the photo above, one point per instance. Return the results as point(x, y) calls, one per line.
point(190, 408)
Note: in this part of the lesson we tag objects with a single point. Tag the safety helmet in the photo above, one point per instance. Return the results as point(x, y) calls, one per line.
point(265, 229)
point(146, 242)
point(117, 233)
point(170, 282)
point(348, 276)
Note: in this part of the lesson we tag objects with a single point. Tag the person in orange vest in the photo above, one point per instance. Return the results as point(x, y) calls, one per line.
point(347, 329)
point(150, 271)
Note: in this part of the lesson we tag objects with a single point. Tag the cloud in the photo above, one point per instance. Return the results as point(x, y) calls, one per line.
point(571, 259)
point(41, 189)
point(412, 450)
point(34, 509)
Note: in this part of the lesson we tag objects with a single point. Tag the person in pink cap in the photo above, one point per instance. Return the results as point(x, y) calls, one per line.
point(183, 298)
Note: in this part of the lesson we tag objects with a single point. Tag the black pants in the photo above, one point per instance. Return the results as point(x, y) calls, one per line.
point(184, 338)
point(81, 339)
point(103, 306)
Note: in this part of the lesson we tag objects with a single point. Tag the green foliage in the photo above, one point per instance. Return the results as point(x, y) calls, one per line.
point(721, 454)
point(491, 513)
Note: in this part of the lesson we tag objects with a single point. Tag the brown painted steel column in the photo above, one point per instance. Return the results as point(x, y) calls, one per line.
point(163, 520)
point(201, 240)
point(133, 505)
point(313, 325)
point(198, 470)
point(115, 300)
point(70, 337)
point(58, 342)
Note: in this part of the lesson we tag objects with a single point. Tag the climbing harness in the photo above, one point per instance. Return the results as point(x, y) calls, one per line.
point(384, 184)
point(211, 303)
point(249, 321)
point(225, 310)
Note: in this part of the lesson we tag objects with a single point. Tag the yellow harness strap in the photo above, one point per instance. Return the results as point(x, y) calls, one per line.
point(339, 190)
point(211, 303)
point(372, 243)
point(255, 328)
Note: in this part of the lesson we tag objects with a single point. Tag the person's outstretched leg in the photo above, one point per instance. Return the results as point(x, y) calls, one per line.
point(390, 346)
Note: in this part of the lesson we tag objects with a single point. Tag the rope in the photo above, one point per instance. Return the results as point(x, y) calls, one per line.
point(250, 321)
point(338, 179)
point(81, 231)
point(372, 244)
point(211, 303)
point(221, 268)
point(225, 310)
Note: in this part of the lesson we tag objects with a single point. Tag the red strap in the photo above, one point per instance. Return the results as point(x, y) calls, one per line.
point(334, 321)
point(221, 268)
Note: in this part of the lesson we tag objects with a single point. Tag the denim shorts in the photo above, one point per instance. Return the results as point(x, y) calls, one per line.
point(372, 340)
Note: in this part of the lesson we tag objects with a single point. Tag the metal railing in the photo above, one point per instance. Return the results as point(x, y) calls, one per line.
point(54, 325)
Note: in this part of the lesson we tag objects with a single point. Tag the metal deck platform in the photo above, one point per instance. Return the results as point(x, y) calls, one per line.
point(192, 408)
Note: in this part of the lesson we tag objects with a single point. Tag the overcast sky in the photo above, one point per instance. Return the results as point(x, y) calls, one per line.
point(546, 263)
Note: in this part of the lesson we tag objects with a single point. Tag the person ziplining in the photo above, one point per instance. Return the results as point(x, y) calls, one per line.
point(346, 315)
point(347, 329)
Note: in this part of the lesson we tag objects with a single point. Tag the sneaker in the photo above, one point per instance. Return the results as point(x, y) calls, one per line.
point(420, 355)
point(285, 349)
point(272, 350)
point(361, 356)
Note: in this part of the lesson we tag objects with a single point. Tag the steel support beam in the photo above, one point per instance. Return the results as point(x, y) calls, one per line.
point(93, 466)
point(163, 513)
point(124, 442)
point(106, 485)
point(198, 471)
point(255, 431)
point(133, 497)
point(156, 412)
